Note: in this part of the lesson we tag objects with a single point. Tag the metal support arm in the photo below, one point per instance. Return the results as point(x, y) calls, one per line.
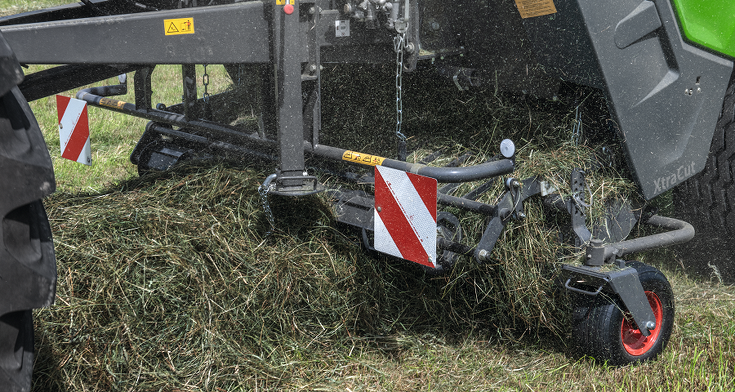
point(144, 38)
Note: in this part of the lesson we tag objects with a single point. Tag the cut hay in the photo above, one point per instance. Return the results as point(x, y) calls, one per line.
point(171, 282)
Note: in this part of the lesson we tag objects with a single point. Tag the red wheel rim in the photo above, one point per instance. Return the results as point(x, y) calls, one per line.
point(633, 340)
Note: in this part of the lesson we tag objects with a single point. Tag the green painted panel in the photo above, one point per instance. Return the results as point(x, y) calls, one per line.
point(710, 23)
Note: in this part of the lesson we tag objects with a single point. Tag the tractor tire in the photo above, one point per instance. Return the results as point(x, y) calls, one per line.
point(707, 201)
point(27, 262)
point(600, 328)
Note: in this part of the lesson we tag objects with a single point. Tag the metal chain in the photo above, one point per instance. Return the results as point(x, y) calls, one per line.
point(263, 190)
point(205, 83)
point(399, 45)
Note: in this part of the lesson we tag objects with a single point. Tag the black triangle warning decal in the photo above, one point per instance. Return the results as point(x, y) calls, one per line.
point(172, 28)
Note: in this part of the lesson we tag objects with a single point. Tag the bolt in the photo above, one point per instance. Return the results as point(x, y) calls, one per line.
point(312, 68)
point(521, 215)
point(410, 47)
point(651, 325)
point(380, 209)
point(435, 25)
point(312, 10)
point(483, 254)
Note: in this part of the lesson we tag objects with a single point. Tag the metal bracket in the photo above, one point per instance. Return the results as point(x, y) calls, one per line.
point(143, 89)
point(576, 206)
point(623, 282)
point(510, 206)
point(297, 186)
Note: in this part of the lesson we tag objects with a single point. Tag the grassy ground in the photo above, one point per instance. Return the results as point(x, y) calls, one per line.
point(10, 7)
point(170, 282)
point(113, 135)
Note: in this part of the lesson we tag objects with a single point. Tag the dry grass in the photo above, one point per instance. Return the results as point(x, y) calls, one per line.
point(170, 283)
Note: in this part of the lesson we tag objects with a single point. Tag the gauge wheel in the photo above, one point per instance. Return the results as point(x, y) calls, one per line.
point(604, 330)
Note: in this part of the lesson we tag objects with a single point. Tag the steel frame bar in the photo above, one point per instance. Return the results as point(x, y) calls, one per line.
point(142, 38)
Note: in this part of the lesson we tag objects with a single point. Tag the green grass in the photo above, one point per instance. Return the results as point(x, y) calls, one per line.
point(169, 282)
point(113, 135)
point(11, 7)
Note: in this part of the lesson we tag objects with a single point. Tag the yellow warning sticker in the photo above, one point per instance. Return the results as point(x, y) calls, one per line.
point(283, 2)
point(364, 159)
point(178, 26)
point(532, 8)
point(112, 103)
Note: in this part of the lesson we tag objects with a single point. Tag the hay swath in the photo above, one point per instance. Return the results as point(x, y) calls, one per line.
point(664, 93)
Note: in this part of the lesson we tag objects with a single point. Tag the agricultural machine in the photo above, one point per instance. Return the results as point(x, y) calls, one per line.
point(664, 67)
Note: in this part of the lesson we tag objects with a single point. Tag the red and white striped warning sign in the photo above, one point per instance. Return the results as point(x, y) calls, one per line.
point(405, 215)
point(74, 129)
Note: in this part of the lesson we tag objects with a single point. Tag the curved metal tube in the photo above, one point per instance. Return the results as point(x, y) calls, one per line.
point(441, 174)
point(680, 232)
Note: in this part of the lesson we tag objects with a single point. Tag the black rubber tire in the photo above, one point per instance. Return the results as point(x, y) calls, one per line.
point(27, 262)
point(598, 322)
point(16, 351)
point(707, 201)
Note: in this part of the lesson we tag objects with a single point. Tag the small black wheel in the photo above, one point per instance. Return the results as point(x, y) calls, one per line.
point(602, 329)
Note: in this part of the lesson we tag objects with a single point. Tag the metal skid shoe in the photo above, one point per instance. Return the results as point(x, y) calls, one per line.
point(623, 311)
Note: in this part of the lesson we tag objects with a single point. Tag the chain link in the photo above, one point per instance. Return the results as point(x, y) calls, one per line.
point(205, 83)
point(263, 190)
point(399, 45)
